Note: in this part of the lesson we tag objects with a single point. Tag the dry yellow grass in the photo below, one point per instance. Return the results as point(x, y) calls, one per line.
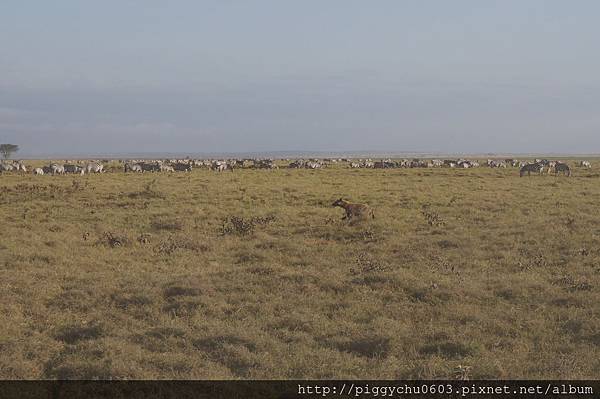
point(252, 274)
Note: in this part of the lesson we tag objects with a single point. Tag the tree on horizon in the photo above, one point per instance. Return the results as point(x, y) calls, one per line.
point(8, 149)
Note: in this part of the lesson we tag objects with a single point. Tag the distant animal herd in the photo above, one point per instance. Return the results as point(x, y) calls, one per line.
point(526, 168)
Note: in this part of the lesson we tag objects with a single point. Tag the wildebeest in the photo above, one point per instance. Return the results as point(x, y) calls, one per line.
point(531, 167)
point(562, 167)
point(354, 210)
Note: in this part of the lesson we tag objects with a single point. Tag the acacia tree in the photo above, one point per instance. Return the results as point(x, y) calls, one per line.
point(8, 149)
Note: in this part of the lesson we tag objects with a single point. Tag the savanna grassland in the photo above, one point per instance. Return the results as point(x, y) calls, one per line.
point(471, 273)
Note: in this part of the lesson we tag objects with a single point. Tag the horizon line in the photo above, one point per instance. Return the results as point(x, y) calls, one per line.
point(289, 154)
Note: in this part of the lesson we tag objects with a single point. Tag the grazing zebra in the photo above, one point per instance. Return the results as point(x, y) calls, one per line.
point(354, 210)
point(133, 168)
point(313, 165)
point(221, 166)
point(263, 164)
point(182, 167)
point(57, 169)
point(150, 167)
point(94, 167)
point(496, 164)
point(74, 169)
point(562, 167)
point(19, 166)
point(299, 163)
point(585, 164)
point(16, 166)
point(38, 171)
point(531, 167)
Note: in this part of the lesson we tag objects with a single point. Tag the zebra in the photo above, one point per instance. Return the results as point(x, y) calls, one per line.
point(57, 169)
point(132, 168)
point(182, 167)
point(19, 166)
point(149, 167)
point(297, 164)
point(562, 167)
point(496, 164)
point(38, 171)
point(585, 164)
point(221, 166)
point(94, 167)
point(16, 166)
point(313, 165)
point(531, 167)
point(263, 164)
point(74, 169)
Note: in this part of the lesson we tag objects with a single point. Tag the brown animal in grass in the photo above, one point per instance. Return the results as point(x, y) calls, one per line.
point(354, 210)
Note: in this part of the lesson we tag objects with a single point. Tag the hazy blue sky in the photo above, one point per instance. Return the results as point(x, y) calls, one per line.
point(203, 76)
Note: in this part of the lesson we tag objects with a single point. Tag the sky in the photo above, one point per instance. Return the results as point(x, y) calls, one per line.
point(192, 76)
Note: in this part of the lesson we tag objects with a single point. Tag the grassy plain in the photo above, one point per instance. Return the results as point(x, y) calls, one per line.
point(462, 274)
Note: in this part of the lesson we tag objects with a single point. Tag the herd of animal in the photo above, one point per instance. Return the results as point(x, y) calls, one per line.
point(537, 166)
point(352, 210)
point(555, 167)
point(53, 168)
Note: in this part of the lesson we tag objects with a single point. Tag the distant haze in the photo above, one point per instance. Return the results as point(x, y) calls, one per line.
point(191, 77)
